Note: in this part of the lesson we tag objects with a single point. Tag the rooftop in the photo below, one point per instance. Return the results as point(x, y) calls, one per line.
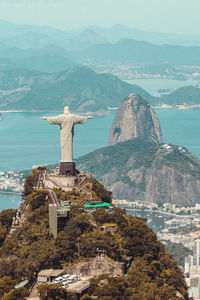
point(50, 272)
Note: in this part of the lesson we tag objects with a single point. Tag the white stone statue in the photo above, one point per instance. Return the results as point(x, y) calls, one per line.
point(67, 122)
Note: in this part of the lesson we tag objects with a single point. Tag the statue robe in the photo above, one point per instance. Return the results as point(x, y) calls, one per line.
point(67, 122)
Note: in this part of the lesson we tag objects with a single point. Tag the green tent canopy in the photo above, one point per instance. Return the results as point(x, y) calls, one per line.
point(103, 204)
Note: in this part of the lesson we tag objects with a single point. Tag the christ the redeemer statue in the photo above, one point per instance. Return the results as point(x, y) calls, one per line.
point(67, 122)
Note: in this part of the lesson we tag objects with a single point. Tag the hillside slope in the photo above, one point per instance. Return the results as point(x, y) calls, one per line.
point(137, 166)
point(80, 88)
point(31, 248)
point(142, 170)
point(140, 52)
point(188, 95)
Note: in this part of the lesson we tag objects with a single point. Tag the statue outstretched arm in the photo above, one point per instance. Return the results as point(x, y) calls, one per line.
point(54, 120)
point(90, 117)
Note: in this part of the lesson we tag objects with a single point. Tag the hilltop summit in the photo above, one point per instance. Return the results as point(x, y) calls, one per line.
point(135, 118)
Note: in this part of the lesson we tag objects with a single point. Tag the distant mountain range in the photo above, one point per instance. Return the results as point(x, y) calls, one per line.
point(47, 49)
point(111, 34)
point(80, 88)
point(9, 30)
point(84, 40)
point(119, 32)
point(139, 52)
point(33, 40)
point(47, 59)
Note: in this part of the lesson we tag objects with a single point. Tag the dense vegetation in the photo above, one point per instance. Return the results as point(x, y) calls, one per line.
point(119, 159)
point(6, 218)
point(99, 193)
point(128, 167)
point(182, 161)
point(153, 274)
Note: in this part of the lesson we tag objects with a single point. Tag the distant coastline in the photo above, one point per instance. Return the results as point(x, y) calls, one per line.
point(186, 107)
point(164, 106)
point(98, 113)
point(29, 111)
point(180, 107)
point(102, 112)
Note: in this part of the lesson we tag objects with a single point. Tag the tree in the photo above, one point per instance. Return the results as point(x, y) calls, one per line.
point(100, 191)
point(108, 288)
point(54, 292)
point(3, 233)
point(29, 183)
point(36, 199)
point(19, 293)
point(6, 284)
point(101, 216)
point(6, 217)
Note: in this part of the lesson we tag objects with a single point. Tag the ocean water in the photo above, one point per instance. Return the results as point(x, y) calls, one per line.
point(9, 201)
point(26, 140)
point(181, 127)
point(153, 85)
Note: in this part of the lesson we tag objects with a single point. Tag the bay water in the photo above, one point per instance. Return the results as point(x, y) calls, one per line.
point(153, 85)
point(26, 140)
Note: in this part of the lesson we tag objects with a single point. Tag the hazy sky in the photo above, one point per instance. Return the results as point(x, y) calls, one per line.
point(181, 16)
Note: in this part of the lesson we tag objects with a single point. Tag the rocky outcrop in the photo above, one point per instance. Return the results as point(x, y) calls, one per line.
point(136, 166)
point(135, 118)
point(166, 184)
point(145, 171)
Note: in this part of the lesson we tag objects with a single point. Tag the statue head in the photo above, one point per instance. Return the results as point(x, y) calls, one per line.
point(66, 110)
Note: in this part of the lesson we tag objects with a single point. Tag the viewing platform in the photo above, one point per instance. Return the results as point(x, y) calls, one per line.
point(52, 179)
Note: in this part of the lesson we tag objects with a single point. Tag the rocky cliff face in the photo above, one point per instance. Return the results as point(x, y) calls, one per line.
point(135, 118)
point(141, 170)
point(157, 184)
point(136, 166)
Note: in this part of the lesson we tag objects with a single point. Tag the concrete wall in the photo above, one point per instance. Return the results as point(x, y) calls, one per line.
point(53, 219)
point(64, 182)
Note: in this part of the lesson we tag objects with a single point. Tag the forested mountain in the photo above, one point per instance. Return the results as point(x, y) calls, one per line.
point(137, 166)
point(188, 95)
point(49, 58)
point(140, 52)
point(80, 88)
point(31, 248)
point(139, 170)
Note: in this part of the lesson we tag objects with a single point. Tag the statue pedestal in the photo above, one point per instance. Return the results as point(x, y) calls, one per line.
point(67, 168)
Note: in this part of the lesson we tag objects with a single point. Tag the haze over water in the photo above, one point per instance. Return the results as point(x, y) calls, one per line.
point(27, 140)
